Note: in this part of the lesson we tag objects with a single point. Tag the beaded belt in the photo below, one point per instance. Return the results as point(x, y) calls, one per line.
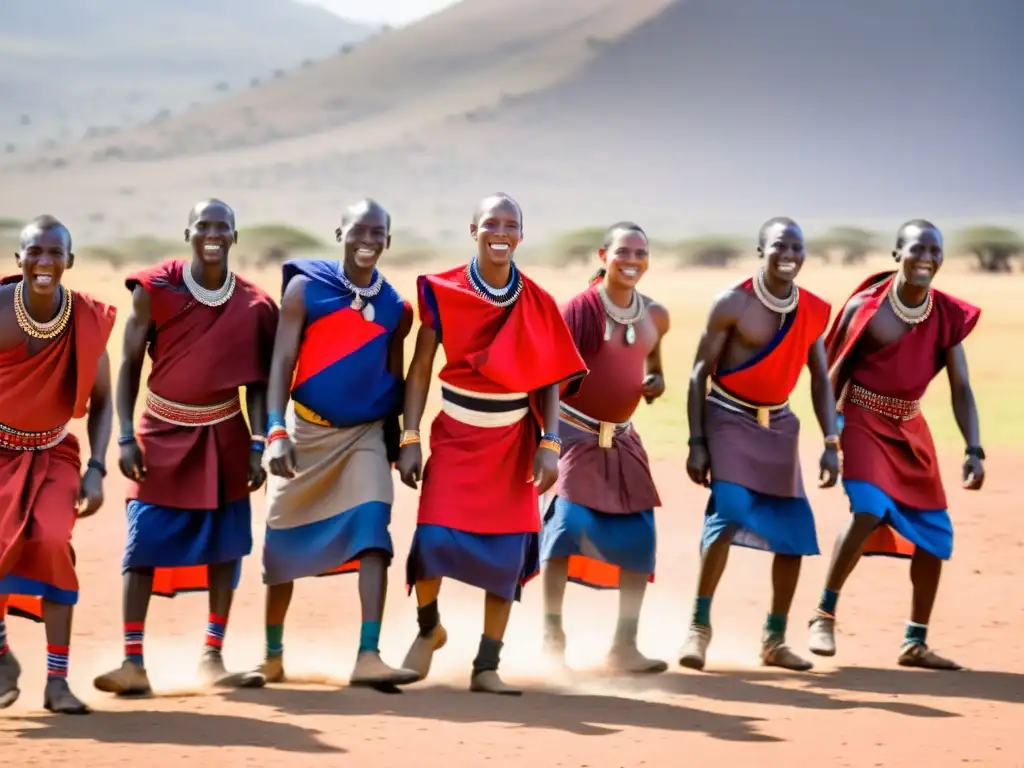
point(19, 440)
point(762, 413)
point(891, 407)
point(483, 409)
point(606, 431)
point(183, 415)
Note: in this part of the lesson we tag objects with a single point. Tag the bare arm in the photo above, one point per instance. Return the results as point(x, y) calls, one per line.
point(821, 389)
point(661, 321)
point(101, 411)
point(964, 408)
point(396, 353)
point(287, 338)
point(721, 321)
point(417, 380)
point(133, 354)
point(548, 398)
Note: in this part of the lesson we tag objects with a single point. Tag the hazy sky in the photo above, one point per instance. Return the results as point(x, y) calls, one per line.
point(383, 11)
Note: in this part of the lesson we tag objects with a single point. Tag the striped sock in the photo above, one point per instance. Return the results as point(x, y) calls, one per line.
point(275, 640)
point(4, 648)
point(56, 660)
point(215, 627)
point(133, 634)
point(369, 636)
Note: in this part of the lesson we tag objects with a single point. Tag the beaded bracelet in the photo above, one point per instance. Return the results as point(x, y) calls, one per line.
point(551, 445)
point(274, 419)
point(257, 443)
point(276, 433)
point(126, 440)
point(409, 437)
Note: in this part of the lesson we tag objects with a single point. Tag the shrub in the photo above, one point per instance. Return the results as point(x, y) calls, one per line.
point(718, 251)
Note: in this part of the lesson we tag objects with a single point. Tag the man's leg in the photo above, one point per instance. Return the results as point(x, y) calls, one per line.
point(211, 669)
point(130, 679)
point(555, 576)
point(10, 670)
point(774, 651)
point(432, 635)
point(925, 571)
point(712, 566)
point(58, 697)
point(370, 669)
point(485, 666)
point(279, 598)
point(848, 550)
point(625, 656)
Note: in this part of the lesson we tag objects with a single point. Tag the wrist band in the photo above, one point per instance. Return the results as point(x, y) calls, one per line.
point(409, 437)
point(99, 466)
point(126, 439)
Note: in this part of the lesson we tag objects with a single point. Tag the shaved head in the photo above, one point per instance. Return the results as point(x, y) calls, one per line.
point(202, 205)
point(45, 223)
point(912, 229)
point(621, 226)
point(363, 207)
point(491, 201)
point(783, 222)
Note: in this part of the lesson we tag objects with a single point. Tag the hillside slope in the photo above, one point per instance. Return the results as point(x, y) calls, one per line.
point(687, 115)
point(68, 65)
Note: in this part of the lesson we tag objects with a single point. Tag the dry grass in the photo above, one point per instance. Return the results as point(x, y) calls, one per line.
point(687, 293)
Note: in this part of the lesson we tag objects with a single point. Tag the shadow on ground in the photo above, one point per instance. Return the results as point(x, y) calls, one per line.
point(191, 729)
point(583, 715)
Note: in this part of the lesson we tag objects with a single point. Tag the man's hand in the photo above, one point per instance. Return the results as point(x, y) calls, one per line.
point(281, 453)
point(974, 473)
point(698, 463)
point(90, 493)
point(545, 469)
point(828, 467)
point(654, 387)
point(131, 461)
point(257, 475)
point(410, 464)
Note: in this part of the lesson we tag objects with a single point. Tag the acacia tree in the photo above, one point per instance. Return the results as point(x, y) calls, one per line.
point(992, 247)
point(851, 244)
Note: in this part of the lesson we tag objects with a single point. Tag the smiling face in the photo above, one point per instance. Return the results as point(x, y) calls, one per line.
point(626, 258)
point(44, 255)
point(783, 251)
point(920, 254)
point(212, 232)
point(498, 230)
point(365, 236)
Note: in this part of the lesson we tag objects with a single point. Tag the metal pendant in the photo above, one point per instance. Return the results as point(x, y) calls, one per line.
point(368, 313)
point(630, 334)
point(357, 303)
point(609, 328)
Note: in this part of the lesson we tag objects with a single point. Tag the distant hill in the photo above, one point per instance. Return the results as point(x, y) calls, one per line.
point(66, 65)
point(689, 116)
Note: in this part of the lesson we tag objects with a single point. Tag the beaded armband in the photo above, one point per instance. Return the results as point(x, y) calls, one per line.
point(551, 442)
point(409, 437)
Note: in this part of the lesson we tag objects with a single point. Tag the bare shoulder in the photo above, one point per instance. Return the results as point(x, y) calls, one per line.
point(730, 304)
point(7, 295)
point(658, 313)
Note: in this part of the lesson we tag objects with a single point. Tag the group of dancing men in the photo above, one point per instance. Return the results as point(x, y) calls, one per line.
point(535, 466)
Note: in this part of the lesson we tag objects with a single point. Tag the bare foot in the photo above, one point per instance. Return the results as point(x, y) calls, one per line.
point(127, 680)
point(371, 672)
point(10, 671)
point(694, 652)
point(627, 659)
point(59, 699)
point(921, 656)
point(421, 652)
point(212, 673)
point(490, 682)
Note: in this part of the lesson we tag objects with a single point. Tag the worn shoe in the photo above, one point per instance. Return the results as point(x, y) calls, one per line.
point(127, 680)
point(695, 649)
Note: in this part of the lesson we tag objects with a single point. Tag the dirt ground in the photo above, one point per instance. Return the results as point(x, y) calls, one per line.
point(858, 709)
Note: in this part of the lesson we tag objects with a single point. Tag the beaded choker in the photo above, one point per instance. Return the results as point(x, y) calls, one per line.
point(48, 330)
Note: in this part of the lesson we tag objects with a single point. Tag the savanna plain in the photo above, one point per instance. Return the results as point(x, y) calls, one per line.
point(857, 709)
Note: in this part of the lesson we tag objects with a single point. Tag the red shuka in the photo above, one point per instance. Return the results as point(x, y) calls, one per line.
point(897, 456)
point(770, 376)
point(39, 489)
point(480, 480)
point(200, 356)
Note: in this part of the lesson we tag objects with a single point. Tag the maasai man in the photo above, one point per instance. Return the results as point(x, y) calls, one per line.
point(895, 334)
point(192, 464)
point(599, 527)
point(507, 353)
point(54, 367)
point(744, 439)
point(330, 491)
